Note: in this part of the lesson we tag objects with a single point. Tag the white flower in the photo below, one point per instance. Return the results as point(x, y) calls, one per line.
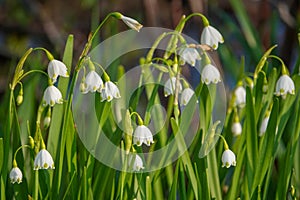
point(228, 158)
point(132, 23)
point(210, 74)
point(57, 68)
point(211, 37)
point(186, 95)
point(92, 82)
point(15, 175)
point(284, 85)
point(240, 96)
point(109, 91)
point(137, 164)
point(190, 55)
point(264, 126)
point(142, 134)
point(236, 128)
point(170, 85)
point(51, 96)
point(43, 160)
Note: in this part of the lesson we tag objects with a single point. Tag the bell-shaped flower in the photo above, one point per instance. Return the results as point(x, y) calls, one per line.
point(170, 85)
point(92, 82)
point(228, 159)
point(57, 68)
point(211, 37)
point(136, 164)
point(189, 55)
point(236, 128)
point(284, 85)
point(264, 125)
point(51, 96)
point(43, 160)
point(15, 175)
point(131, 23)
point(186, 95)
point(109, 91)
point(210, 74)
point(142, 134)
point(240, 96)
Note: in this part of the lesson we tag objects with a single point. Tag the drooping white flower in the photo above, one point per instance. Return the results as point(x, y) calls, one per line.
point(211, 36)
point(284, 85)
point(57, 68)
point(92, 82)
point(228, 158)
point(186, 95)
point(15, 175)
point(51, 96)
point(131, 23)
point(264, 126)
point(109, 91)
point(137, 164)
point(142, 134)
point(170, 85)
point(43, 160)
point(240, 96)
point(190, 55)
point(210, 74)
point(236, 128)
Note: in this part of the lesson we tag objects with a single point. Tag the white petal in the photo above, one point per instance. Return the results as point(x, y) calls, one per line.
point(236, 128)
point(228, 158)
point(190, 55)
point(57, 68)
point(132, 23)
point(142, 134)
point(51, 96)
point(240, 96)
point(284, 85)
point(15, 175)
point(170, 85)
point(43, 160)
point(186, 95)
point(264, 126)
point(211, 36)
point(137, 164)
point(92, 82)
point(210, 74)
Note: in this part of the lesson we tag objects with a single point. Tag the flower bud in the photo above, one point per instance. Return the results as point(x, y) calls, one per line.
point(19, 99)
point(31, 142)
point(47, 119)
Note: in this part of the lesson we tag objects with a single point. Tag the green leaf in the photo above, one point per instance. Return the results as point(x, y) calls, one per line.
point(251, 136)
point(1, 154)
point(266, 149)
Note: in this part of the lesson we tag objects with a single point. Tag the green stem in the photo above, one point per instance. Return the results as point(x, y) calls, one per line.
point(23, 146)
point(32, 71)
point(140, 121)
point(204, 19)
point(284, 70)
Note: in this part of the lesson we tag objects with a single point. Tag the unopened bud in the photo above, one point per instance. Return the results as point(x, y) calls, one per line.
point(20, 96)
point(19, 99)
point(31, 142)
point(47, 119)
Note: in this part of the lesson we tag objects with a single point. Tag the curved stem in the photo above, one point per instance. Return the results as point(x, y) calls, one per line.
point(18, 149)
point(284, 70)
point(32, 71)
point(49, 55)
point(204, 19)
point(140, 121)
point(225, 143)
